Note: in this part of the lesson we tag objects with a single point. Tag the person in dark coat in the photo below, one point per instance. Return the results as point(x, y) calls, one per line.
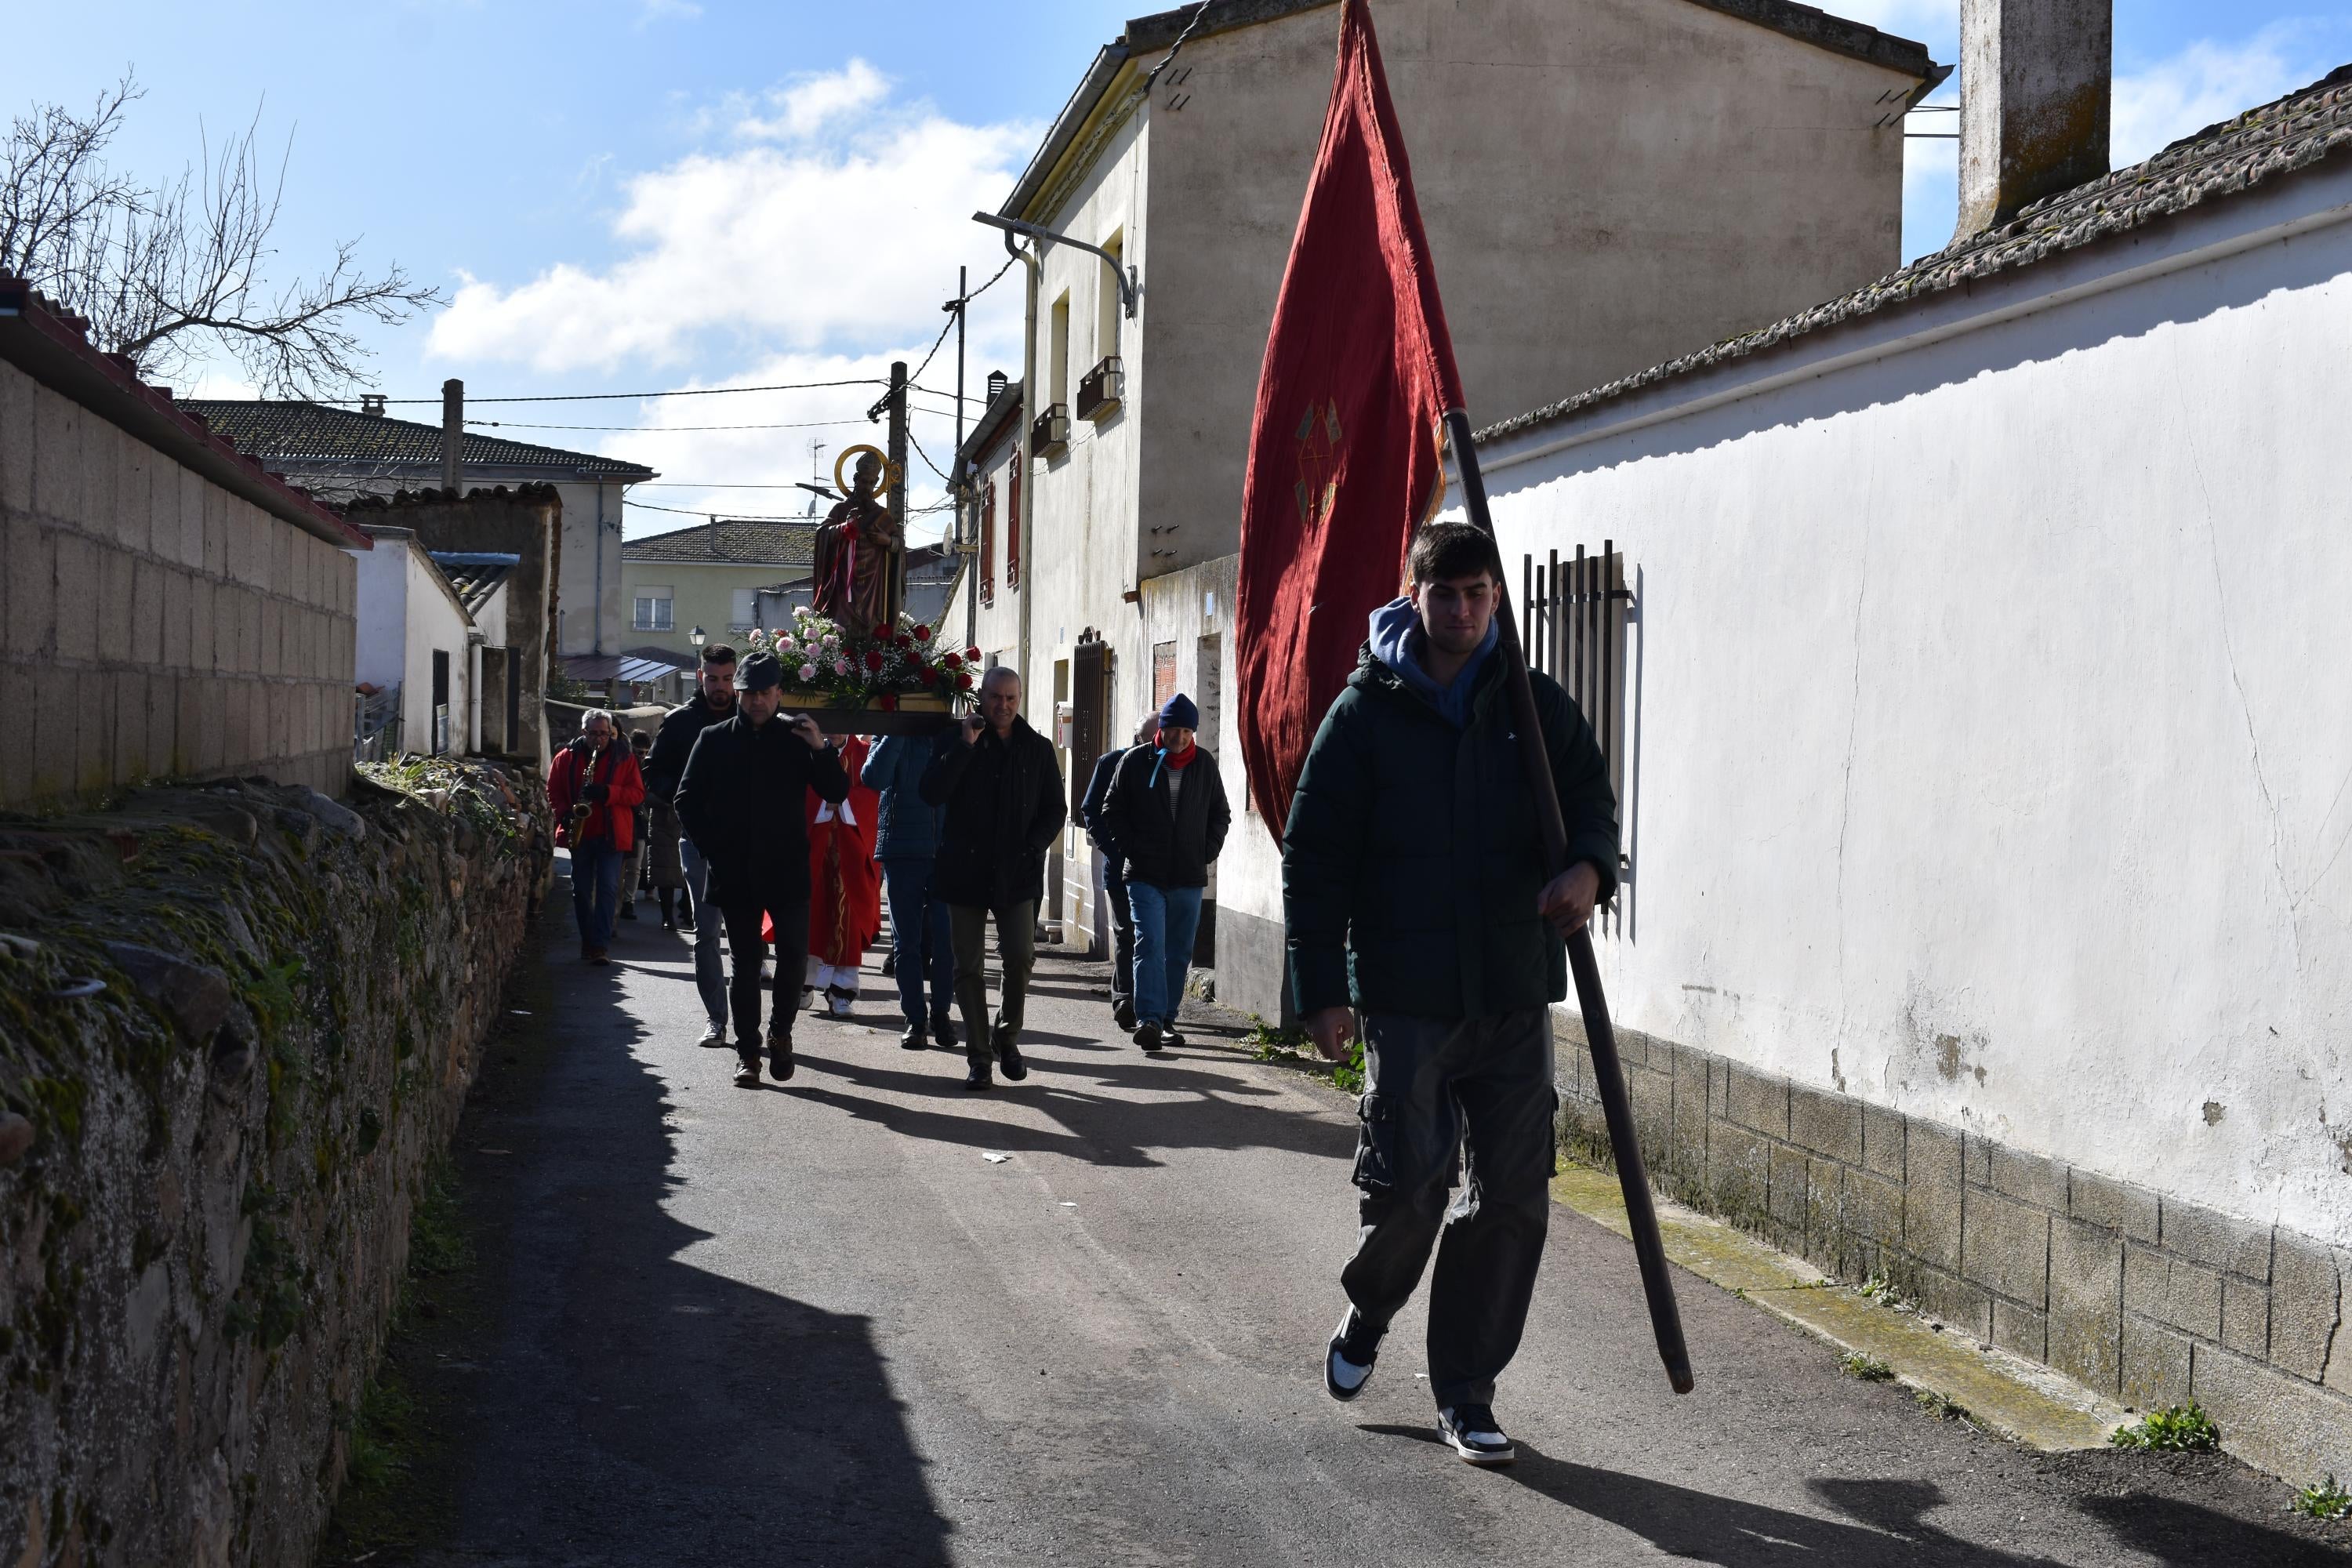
point(907, 847)
point(1000, 788)
point(594, 786)
point(712, 703)
point(1415, 893)
point(1167, 813)
point(1122, 921)
point(742, 798)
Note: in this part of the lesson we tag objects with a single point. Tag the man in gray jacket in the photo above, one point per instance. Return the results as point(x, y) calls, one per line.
point(907, 842)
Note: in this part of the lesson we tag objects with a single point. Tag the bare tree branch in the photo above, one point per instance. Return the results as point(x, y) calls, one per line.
point(177, 275)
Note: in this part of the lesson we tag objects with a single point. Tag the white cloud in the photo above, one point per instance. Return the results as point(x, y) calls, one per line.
point(810, 103)
point(840, 242)
point(2208, 82)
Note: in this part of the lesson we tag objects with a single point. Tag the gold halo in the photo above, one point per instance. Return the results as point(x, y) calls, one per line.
point(891, 471)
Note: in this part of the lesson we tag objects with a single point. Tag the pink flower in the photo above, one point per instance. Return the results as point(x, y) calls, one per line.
point(841, 666)
point(808, 672)
point(784, 641)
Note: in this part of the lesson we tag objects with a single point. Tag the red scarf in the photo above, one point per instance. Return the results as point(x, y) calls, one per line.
point(1180, 761)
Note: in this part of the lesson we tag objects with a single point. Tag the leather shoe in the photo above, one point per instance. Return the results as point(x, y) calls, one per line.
point(944, 1034)
point(978, 1077)
point(1008, 1057)
point(911, 1038)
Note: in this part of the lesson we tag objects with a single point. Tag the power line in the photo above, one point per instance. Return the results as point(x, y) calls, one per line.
point(668, 429)
point(616, 396)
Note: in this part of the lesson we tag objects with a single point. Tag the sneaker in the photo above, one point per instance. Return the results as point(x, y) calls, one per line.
point(890, 961)
point(595, 955)
point(1122, 1012)
point(780, 1054)
point(670, 922)
point(1169, 1039)
point(1475, 1435)
point(747, 1069)
point(911, 1038)
point(1147, 1035)
point(1348, 1359)
point(978, 1077)
point(1008, 1056)
point(714, 1033)
point(840, 998)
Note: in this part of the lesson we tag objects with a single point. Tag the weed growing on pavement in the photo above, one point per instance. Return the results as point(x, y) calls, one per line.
point(1878, 1288)
point(1269, 1044)
point(2326, 1500)
point(1869, 1368)
point(2182, 1427)
point(1350, 1074)
point(1942, 1406)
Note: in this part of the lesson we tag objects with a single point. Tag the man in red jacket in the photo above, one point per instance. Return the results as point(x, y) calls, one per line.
point(595, 789)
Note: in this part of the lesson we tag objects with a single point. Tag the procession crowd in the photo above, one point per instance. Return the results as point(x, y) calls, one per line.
point(1423, 916)
point(760, 827)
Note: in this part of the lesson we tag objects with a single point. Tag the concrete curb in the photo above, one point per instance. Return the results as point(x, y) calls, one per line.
point(2003, 1394)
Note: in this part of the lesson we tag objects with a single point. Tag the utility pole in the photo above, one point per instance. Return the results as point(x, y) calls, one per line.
point(966, 547)
point(453, 433)
point(897, 499)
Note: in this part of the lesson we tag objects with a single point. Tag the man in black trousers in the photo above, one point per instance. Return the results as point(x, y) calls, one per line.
point(1000, 788)
point(1415, 898)
point(1122, 919)
point(742, 799)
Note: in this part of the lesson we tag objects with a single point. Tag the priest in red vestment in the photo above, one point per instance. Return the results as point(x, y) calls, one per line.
point(845, 888)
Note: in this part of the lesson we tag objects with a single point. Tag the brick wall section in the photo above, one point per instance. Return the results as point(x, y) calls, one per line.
point(154, 623)
point(2143, 1296)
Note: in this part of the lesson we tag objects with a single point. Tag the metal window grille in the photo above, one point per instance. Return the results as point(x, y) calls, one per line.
point(1575, 633)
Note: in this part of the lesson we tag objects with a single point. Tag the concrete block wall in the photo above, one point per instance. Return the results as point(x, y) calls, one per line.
point(154, 624)
point(2143, 1296)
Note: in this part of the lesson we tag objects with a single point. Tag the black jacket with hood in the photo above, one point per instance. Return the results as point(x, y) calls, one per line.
point(1003, 801)
point(1167, 836)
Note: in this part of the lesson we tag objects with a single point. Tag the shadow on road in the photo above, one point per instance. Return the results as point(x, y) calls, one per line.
point(626, 1405)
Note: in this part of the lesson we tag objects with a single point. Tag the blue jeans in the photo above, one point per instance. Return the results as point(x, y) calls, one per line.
point(918, 942)
point(709, 972)
point(595, 889)
point(1166, 920)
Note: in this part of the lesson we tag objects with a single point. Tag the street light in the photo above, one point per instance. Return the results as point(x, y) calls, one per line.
point(698, 637)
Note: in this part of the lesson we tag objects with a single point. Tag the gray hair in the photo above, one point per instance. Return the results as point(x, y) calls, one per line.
point(1149, 724)
point(596, 713)
point(1004, 670)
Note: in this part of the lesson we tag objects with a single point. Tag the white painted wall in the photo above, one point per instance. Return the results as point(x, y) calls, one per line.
point(594, 610)
point(1991, 701)
point(407, 611)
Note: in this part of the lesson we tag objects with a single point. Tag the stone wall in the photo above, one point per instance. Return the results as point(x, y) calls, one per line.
point(169, 609)
point(2142, 1296)
point(236, 1023)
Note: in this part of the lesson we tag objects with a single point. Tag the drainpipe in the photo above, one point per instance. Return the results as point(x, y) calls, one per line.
point(1023, 454)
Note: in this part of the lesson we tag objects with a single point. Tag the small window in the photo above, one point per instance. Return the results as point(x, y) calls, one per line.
point(1108, 304)
point(1058, 351)
point(652, 610)
point(746, 611)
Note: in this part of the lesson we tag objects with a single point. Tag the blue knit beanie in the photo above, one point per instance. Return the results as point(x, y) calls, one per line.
point(1180, 714)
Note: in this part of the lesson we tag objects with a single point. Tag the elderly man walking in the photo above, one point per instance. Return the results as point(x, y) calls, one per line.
point(741, 800)
point(1000, 793)
point(595, 787)
point(712, 703)
point(1122, 920)
point(1167, 813)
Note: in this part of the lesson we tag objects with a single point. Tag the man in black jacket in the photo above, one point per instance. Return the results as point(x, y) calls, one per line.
point(1001, 788)
point(742, 798)
point(714, 703)
point(1122, 920)
point(1167, 814)
point(1414, 892)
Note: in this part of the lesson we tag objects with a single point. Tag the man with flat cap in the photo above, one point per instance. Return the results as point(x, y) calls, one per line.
point(742, 801)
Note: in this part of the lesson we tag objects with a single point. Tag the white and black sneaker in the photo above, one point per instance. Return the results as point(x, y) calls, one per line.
point(1348, 1359)
point(714, 1033)
point(1475, 1435)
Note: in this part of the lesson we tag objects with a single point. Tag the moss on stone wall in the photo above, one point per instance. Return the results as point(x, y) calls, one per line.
point(236, 1021)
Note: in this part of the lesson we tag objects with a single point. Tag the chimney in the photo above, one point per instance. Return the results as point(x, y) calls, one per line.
point(453, 433)
point(371, 402)
point(996, 382)
point(2035, 79)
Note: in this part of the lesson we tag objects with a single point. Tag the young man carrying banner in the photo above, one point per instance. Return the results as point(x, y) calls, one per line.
point(1413, 892)
point(1416, 888)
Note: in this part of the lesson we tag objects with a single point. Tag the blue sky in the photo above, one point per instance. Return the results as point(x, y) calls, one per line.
point(626, 195)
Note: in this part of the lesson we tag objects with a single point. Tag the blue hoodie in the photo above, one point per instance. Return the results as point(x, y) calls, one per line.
point(1396, 632)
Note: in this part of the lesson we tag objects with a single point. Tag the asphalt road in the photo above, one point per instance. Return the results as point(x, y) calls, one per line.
point(814, 1324)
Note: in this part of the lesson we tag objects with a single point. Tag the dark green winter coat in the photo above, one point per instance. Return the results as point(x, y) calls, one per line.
point(1411, 865)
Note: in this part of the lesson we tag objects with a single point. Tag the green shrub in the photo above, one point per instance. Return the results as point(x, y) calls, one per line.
point(2179, 1427)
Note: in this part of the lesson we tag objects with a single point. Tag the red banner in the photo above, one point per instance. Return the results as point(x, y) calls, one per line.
point(1344, 448)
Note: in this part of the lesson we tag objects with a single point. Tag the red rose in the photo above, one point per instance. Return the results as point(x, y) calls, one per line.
point(929, 676)
point(963, 682)
point(971, 655)
point(951, 660)
point(922, 634)
point(902, 640)
point(874, 658)
point(890, 702)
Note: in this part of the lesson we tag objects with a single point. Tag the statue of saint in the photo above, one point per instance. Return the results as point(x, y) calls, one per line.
point(860, 552)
